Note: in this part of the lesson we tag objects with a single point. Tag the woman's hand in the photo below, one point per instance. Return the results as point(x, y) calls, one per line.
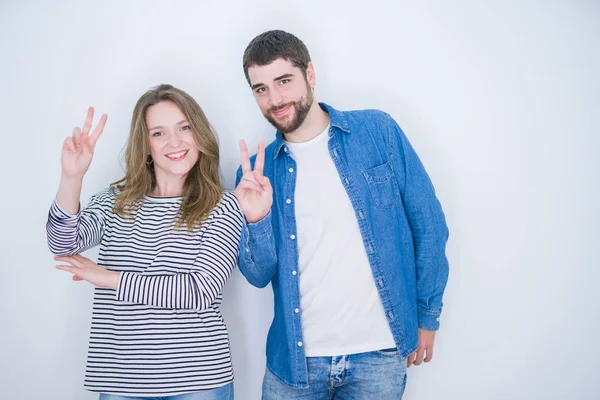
point(84, 269)
point(78, 149)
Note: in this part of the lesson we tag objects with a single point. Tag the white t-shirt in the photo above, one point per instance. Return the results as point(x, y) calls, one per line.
point(341, 311)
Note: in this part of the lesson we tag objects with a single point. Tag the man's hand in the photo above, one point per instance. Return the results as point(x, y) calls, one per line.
point(426, 339)
point(254, 191)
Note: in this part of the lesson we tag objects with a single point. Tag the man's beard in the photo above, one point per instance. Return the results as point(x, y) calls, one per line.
point(301, 109)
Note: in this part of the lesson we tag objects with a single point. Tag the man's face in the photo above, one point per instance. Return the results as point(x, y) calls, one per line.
point(282, 92)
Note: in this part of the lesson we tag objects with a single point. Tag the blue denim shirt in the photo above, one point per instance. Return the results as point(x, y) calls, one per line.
point(401, 222)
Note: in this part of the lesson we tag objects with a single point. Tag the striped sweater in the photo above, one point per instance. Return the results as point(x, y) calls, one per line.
point(161, 332)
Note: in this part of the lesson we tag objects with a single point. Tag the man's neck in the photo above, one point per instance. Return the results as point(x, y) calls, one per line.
point(316, 121)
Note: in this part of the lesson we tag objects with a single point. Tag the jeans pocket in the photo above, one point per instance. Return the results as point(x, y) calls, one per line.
point(392, 351)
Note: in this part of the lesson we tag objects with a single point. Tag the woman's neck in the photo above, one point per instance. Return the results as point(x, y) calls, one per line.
point(168, 188)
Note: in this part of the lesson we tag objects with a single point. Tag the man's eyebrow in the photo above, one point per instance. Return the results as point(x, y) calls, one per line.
point(283, 77)
point(257, 85)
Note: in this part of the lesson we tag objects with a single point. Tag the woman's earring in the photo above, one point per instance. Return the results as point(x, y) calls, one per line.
point(149, 159)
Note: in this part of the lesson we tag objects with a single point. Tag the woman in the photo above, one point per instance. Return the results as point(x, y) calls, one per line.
point(169, 239)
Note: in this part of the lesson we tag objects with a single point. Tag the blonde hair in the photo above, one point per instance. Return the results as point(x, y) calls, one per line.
point(202, 189)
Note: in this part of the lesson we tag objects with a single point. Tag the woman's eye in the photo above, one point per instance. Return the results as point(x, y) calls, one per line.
point(186, 128)
point(155, 134)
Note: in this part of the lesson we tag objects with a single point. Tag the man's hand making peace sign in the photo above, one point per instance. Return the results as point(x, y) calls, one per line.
point(254, 192)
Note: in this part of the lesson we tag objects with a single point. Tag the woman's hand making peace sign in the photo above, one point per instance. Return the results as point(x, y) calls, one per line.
point(78, 149)
point(75, 159)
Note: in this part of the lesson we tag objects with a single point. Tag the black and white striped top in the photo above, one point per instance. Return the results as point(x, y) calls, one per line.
point(161, 333)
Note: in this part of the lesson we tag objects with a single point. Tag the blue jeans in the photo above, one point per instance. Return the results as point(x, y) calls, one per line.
point(220, 393)
point(379, 375)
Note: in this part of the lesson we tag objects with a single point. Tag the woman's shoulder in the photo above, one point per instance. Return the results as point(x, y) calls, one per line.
point(228, 206)
point(105, 196)
point(228, 203)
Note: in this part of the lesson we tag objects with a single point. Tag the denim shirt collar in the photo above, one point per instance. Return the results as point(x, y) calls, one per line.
point(337, 119)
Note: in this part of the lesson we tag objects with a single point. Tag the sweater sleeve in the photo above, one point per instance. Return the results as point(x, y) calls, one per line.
point(199, 288)
point(70, 234)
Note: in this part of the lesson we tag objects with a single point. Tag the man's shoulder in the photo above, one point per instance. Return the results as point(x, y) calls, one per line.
point(367, 115)
point(352, 119)
point(369, 123)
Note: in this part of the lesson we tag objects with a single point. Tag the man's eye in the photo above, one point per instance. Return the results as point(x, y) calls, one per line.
point(284, 81)
point(260, 90)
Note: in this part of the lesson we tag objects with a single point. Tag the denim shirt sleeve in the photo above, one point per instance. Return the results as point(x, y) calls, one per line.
point(257, 258)
point(428, 228)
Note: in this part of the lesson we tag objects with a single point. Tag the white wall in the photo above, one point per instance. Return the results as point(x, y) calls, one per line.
point(501, 99)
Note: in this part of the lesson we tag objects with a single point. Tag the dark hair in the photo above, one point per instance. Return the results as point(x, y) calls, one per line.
point(271, 45)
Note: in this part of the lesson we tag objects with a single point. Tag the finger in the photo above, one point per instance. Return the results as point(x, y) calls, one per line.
point(249, 184)
point(83, 262)
point(419, 356)
point(80, 258)
point(67, 268)
point(68, 259)
point(76, 135)
point(266, 186)
point(87, 125)
point(410, 359)
point(245, 157)
point(259, 163)
point(69, 144)
point(429, 356)
point(249, 177)
point(98, 130)
point(84, 141)
point(265, 183)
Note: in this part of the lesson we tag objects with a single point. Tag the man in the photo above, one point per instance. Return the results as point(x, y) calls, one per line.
point(342, 219)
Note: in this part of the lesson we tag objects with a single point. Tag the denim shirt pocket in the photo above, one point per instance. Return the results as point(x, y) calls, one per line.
point(382, 185)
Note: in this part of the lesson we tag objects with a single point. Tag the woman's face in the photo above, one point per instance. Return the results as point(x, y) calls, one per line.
point(172, 143)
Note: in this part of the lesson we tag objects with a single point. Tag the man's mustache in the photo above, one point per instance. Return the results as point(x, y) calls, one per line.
point(275, 109)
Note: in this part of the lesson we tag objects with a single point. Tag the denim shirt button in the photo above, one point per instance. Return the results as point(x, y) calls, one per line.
point(292, 237)
point(299, 344)
point(291, 169)
point(288, 201)
point(391, 315)
point(294, 272)
point(297, 310)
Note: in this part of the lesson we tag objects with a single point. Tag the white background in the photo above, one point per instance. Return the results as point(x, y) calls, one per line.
point(501, 99)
